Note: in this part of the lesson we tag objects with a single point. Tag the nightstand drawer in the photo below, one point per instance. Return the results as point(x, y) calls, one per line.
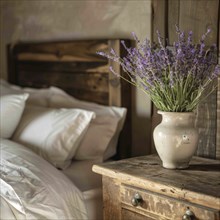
point(156, 206)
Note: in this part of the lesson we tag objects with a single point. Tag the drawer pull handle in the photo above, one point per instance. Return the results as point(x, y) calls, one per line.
point(189, 215)
point(137, 200)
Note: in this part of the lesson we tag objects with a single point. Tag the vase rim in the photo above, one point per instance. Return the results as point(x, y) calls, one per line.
point(164, 112)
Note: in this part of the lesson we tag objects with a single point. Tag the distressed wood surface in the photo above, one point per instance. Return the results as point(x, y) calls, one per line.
point(79, 50)
point(131, 215)
point(198, 16)
point(162, 207)
point(173, 20)
point(199, 184)
point(111, 200)
point(75, 67)
point(218, 98)
point(206, 115)
point(159, 20)
point(218, 123)
point(116, 87)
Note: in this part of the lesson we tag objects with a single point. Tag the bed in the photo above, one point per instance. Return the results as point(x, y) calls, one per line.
point(68, 113)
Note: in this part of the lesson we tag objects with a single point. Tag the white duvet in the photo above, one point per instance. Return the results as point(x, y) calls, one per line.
point(31, 188)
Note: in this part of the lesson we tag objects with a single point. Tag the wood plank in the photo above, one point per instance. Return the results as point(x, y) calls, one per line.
point(81, 50)
point(74, 66)
point(91, 96)
point(116, 87)
point(218, 123)
point(218, 96)
point(11, 64)
point(114, 81)
point(205, 121)
point(160, 22)
point(88, 82)
point(173, 20)
point(55, 57)
point(111, 199)
point(199, 15)
point(131, 215)
point(198, 184)
point(88, 87)
point(159, 14)
point(161, 206)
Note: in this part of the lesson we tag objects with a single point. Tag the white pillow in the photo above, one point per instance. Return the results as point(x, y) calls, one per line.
point(100, 141)
point(55, 134)
point(36, 96)
point(11, 109)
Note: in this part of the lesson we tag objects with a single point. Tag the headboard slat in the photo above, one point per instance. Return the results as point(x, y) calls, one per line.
point(81, 50)
point(71, 66)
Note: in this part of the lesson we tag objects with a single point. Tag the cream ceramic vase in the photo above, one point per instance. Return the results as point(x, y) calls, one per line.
point(176, 139)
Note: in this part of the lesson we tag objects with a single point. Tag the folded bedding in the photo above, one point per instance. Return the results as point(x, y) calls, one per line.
point(31, 188)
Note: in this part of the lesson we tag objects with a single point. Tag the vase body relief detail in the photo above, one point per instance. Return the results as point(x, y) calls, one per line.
point(176, 139)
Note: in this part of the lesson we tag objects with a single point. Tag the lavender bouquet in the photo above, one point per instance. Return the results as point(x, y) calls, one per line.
point(176, 79)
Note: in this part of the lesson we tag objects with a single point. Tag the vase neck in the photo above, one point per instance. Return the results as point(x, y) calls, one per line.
point(182, 118)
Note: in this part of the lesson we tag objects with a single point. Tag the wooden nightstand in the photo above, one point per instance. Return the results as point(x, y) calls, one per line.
point(139, 188)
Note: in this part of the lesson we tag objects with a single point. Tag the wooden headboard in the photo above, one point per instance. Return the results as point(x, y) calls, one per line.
point(74, 67)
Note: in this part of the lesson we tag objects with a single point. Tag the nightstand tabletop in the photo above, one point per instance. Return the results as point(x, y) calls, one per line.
point(200, 182)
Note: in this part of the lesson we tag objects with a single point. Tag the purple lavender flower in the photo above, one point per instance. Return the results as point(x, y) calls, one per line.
point(174, 78)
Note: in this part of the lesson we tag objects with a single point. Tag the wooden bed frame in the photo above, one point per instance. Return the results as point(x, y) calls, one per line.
point(74, 67)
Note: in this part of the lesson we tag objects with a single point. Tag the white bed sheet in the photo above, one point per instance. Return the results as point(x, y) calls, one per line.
point(33, 188)
point(90, 184)
point(81, 174)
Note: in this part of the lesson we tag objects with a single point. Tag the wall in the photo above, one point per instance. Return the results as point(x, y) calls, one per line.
point(64, 20)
